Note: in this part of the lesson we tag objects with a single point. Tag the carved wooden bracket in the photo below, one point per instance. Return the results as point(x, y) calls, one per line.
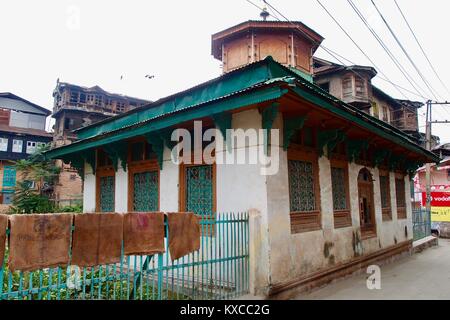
point(77, 163)
point(396, 161)
point(354, 149)
point(116, 151)
point(290, 127)
point(329, 138)
point(223, 122)
point(158, 140)
point(268, 117)
point(89, 157)
point(380, 156)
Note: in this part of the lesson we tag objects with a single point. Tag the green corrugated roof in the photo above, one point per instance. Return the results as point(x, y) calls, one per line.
point(260, 81)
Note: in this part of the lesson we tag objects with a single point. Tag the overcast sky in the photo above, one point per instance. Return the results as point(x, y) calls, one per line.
point(96, 42)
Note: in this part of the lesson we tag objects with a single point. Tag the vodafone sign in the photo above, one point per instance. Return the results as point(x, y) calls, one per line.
point(438, 199)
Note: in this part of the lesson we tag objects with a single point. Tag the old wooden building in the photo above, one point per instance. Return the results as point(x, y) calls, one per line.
point(338, 199)
point(22, 130)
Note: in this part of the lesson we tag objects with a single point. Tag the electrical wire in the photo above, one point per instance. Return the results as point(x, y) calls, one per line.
point(408, 77)
point(420, 46)
point(435, 94)
point(329, 51)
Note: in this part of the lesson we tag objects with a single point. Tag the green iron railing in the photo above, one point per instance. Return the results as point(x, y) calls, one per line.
point(219, 270)
point(421, 223)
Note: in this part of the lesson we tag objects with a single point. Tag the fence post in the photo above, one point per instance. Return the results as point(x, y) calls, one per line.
point(256, 256)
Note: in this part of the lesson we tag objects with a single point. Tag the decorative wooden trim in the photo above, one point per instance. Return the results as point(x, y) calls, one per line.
point(157, 143)
point(316, 279)
point(354, 149)
point(106, 171)
point(369, 230)
point(116, 152)
point(291, 126)
point(329, 138)
point(150, 165)
point(387, 211)
point(223, 121)
point(307, 221)
point(401, 210)
point(182, 184)
point(342, 218)
point(380, 157)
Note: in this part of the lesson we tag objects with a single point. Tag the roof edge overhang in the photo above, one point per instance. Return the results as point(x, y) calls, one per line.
point(236, 101)
point(355, 68)
point(372, 124)
point(16, 97)
point(280, 81)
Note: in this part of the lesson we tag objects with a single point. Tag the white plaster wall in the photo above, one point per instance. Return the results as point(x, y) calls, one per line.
point(168, 184)
point(297, 255)
point(121, 190)
point(241, 187)
point(88, 189)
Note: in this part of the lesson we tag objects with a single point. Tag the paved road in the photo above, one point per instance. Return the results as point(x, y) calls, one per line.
point(425, 275)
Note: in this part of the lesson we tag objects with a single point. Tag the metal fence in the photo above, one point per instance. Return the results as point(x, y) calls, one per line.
point(219, 270)
point(421, 223)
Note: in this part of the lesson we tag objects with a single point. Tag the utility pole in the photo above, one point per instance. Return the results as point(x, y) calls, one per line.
point(428, 147)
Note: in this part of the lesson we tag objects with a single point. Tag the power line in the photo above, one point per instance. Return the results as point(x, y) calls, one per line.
point(405, 52)
point(362, 51)
point(333, 54)
point(386, 49)
point(420, 46)
point(390, 54)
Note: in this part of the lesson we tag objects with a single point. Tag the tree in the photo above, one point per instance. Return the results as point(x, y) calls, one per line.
point(44, 173)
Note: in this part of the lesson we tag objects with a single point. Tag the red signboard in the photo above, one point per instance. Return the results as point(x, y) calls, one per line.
point(438, 199)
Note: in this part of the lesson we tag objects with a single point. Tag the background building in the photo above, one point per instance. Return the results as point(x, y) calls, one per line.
point(75, 107)
point(22, 130)
point(440, 190)
point(353, 85)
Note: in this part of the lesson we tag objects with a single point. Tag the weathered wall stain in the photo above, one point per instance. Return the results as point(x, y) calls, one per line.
point(356, 243)
point(326, 248)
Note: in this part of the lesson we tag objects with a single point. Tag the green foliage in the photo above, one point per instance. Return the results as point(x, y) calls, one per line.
point(78, 208)
point(35, 168)
point(29, 200)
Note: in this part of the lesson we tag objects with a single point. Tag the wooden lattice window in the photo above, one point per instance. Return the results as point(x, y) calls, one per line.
point(106, 194)
point(360, 87)
point(385, 192)
point(105, 183)
point(347, 87)
point(304, 191)
point(400, 195)
point(143, 177)
point(198, 193)
point(340, 192)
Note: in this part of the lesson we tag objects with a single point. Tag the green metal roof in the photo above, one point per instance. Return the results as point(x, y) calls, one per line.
point(261, 81)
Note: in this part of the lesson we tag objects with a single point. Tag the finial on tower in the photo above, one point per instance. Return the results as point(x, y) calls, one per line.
point(264, 14)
